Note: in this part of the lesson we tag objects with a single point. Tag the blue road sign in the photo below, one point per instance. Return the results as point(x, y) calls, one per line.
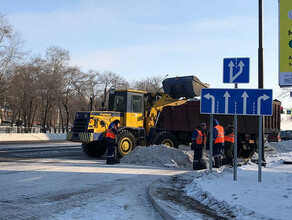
point(237, 101)
point(236, 70)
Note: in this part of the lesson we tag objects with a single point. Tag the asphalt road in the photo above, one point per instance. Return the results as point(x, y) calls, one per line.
point(57, 181)
point(33, 150)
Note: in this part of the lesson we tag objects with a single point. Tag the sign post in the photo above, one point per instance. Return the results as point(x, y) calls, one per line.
point(260, 149)
point(211, 144)
point(253, 102)
point(235, 70)
point(235, 145)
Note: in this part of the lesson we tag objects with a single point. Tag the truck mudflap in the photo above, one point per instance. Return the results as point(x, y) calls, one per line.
point(84, 137)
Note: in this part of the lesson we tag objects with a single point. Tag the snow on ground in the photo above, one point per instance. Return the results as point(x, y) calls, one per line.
point(247, 198)
point(159, 156)
point(97, 191)
point(32, 137)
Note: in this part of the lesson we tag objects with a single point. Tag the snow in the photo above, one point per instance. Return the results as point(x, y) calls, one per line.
point(77, 188)
point(88, 189)
point(159, 156)
point(247, 198)
point(32, 137)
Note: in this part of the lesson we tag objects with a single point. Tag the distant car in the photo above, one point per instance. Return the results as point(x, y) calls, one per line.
point(274, 138)
point(286, 135)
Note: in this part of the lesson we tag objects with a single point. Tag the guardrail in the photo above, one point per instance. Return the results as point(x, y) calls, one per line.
point(8, 130)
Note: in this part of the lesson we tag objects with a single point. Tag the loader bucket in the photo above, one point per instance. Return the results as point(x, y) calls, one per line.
point(185, 86)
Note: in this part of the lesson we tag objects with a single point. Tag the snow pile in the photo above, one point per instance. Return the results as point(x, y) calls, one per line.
point(159, 156)
point(280, 147)
point(247, 198)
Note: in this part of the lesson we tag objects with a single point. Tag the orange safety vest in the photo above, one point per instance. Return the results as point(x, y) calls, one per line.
point(220, 134)
point(230, 137)
point(110, 133)
point(199, 139)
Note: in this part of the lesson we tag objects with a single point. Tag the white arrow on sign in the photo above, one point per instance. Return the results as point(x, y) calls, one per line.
point(226, 96)
point(208, 96)
point(231, 65)
point(263, 97)
point(244, 96)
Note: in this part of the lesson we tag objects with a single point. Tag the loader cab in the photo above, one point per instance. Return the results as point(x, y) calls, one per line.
point(129, 102)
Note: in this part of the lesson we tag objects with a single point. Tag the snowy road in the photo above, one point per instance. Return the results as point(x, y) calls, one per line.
point(44, 184)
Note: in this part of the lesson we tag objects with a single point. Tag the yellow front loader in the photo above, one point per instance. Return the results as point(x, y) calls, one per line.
point(138, 112)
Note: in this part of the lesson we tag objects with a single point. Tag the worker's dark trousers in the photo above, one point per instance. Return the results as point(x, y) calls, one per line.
point(217, 154)
point(198, 162)
point(228, 152)
point(110, 144)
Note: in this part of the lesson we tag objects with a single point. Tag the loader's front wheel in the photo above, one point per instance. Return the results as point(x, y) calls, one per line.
point(126, 142)
point(165, 138)
point(94, 149)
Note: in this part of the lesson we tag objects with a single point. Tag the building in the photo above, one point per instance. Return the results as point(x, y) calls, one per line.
point(286, 119)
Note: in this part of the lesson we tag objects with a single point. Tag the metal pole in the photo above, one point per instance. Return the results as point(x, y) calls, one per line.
point(235, 149)
point(260, 150)
point(235, 146)
point(211, 143)
point(261, 67)
point(260, 51)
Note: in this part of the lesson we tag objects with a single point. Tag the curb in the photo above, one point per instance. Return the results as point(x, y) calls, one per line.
point(157, 203)
point(168, 197)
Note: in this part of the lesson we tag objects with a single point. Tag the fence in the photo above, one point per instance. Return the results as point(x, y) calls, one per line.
point(8, 130)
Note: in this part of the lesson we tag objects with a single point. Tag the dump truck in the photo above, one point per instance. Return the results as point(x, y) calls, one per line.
point(160, 118)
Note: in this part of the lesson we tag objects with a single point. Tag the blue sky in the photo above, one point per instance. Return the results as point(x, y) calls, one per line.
point(137, 39)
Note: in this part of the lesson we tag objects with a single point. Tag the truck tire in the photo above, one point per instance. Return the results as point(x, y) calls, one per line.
point(94, 149)
point(166, 138)
point(246, 149)
point(126, 142)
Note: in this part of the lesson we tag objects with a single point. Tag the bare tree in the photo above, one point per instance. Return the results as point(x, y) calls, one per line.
point(112, 80)
point(150, 84)
point(10, 52)
point(23, 94)
point(82, 91)
point(50, 83)
point(23, 97)
point(94, 87)
point(71, 77)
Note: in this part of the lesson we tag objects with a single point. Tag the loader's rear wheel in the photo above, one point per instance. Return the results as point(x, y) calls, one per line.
point(94, 149)
point(126, 142)
point(165, 138)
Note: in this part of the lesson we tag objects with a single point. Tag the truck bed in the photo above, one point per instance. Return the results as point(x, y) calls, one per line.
point(187, 117)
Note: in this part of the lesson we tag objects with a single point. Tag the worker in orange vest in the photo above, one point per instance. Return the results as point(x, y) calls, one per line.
point(218, 143)
point(110, 140)
point(229, 143)
point(198, 142)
